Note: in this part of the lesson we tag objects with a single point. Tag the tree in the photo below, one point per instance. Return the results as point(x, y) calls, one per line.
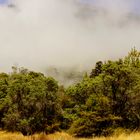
point(3, 93)
point(97, 70)
point(133, 58)
point(94, 115)
point(106, 99)
point(32, 104)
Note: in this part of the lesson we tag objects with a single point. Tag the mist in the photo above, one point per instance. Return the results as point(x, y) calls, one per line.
point(38, 34)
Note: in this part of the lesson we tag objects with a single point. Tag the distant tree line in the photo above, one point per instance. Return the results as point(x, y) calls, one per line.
point(104, 100)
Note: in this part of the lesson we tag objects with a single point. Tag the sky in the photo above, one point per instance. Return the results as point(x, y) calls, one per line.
point(3, 1)
point(37, 34)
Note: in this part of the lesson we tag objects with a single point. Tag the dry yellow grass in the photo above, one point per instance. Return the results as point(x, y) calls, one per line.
point(64, 136)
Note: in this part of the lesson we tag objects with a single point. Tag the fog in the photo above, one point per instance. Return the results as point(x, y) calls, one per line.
point(38, 34)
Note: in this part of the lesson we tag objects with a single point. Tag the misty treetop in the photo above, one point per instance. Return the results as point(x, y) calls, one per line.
point(106, 99)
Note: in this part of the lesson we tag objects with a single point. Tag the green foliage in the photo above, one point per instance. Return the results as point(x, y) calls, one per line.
point(97, 70)
point(31, 103)
point(102, 102)
point(94, 124)
point(133, 58)
point(111, 93)
point(3, 92)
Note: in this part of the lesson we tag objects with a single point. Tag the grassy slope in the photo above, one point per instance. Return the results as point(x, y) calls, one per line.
point(64, 136)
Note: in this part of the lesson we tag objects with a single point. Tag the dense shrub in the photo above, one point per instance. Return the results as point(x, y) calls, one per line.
point(103, 101)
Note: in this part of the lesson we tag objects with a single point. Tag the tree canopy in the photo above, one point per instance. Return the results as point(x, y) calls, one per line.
point(104, 100)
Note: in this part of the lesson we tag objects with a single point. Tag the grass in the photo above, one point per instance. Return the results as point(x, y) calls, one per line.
point(64, 136)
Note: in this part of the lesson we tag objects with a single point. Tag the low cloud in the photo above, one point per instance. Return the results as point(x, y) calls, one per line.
point(65, 33)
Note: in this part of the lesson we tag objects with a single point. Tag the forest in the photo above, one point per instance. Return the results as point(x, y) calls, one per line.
point(106, 99)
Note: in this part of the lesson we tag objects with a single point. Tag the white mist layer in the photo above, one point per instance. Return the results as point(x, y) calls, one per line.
point(64, 33)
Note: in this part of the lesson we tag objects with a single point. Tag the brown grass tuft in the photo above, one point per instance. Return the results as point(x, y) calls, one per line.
point(64, 136)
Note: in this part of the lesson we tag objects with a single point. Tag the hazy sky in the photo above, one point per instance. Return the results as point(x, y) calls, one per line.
point(3, 1)
point(41, 33)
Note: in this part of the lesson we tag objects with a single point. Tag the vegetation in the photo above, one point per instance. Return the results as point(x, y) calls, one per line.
point(65, 136)
point(105, 100)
